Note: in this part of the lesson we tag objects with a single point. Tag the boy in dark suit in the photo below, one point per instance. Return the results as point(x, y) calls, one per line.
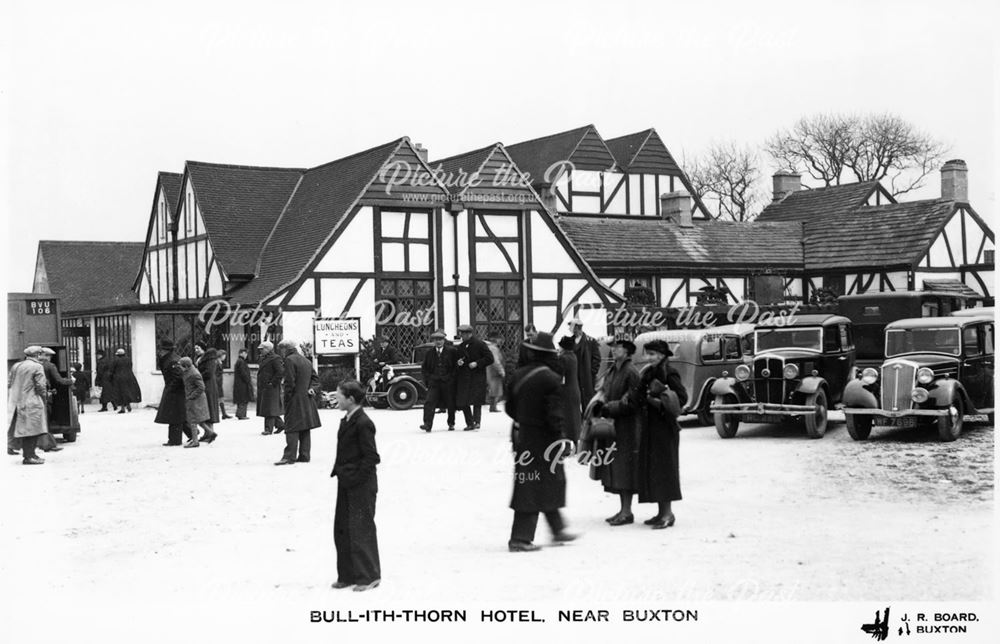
point(439, 368)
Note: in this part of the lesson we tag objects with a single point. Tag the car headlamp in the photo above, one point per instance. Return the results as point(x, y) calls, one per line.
point(925, 376)
point(869, 376)
point(790, 371)
point(742, 372)
point(919, 395)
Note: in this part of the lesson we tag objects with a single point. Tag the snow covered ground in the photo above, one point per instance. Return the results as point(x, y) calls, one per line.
point(117, 525)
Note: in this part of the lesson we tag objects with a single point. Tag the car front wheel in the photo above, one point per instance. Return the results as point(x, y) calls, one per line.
point(859, 426)
point(402, 395)
point(816, 421)
point(950, 426)
point(726, 424)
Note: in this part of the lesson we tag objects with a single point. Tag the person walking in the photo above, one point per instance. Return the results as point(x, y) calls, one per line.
point(219, 377)
point(495, 372)
point(172, 410)
point(470, 377)
point(570, 388)
point(354, 533)
point(534, 402)
point(621, 475)
point(207, 363)
point(56, 381)
point(124, 386)
point(242, 385)
point(27, 389)
point(659, 438)
point(81, 388)
point(438, 370)
point(301, 414)
point(269, 374)
point(588, 360)
point(197, 409)
point(102, 379)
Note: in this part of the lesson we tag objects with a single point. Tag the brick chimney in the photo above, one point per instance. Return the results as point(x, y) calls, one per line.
point(955, 181)
point(421, 151)
point(785, 183)
point(676, 206)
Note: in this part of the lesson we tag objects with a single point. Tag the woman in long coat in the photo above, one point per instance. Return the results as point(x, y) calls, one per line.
point(125, 388)
point(172, 409)
point(196, 402)
point(570, 388)
point(621, 475)
point(659, 465)
point(208, 366)
point(495, 374)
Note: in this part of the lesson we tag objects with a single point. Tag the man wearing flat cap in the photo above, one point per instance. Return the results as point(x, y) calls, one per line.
point(438, 370)
point(470, 377)
point(27, 389)
point(588, 360)
point(171, 411)
point(269, 396)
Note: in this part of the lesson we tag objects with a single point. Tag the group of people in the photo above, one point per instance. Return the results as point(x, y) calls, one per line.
point(115, 377)
point(31, 387)
point(456, 378)
point(548, 400)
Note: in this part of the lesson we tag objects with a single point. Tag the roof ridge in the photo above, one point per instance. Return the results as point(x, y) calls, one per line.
point(853, 184)
point(85, 241)
point(394, 142)
point(236, 166)
point(552, 136)
point(464, 154)
point(274, 227)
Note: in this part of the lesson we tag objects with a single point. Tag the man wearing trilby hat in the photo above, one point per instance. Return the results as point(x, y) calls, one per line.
point(588, 360)
point(535, 403)
point(438, 370)
point(470, 378)
point(269, 400)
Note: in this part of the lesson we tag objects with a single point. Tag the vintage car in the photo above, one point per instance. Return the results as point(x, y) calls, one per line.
point(800, 368)
point(871, 312)
point(399, 386)
point(701, 356)
point(938, 370)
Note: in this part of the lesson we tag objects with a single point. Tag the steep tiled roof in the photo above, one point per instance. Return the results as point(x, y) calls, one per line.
point(320, 203)
point(626, 147)
point(90, 275)
point(171, 183)
point(887, 235)
point(534, 157)
point(467, 162)
point(240, 205)
point(657, 242)
point(819, 203)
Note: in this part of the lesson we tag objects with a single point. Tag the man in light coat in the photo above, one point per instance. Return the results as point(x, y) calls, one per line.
point(26, 399)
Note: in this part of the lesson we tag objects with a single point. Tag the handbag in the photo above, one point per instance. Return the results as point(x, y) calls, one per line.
point(668, 397)
point(596, 427)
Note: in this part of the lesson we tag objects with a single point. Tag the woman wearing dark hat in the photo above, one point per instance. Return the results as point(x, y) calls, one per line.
point(621, 475)
point(659, 467)
point(534, 401)
point(207, 363)
point(172, 409)
point(124, 386)
point(571, 387)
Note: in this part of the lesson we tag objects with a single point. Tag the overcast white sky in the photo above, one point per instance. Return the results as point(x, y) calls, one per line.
point(100, 96)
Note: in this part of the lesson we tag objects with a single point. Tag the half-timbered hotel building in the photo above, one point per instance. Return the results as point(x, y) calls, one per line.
point(553, 227)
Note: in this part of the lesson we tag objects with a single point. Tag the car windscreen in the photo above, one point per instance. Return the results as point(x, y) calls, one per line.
point(810, 339)
point(939, 340)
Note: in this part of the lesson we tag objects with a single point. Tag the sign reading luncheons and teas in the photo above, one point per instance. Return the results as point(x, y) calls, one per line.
point(337, 336)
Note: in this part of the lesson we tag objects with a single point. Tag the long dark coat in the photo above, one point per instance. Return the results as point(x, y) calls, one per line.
point(197, 408)
point(588, 362)
point(103, 379)
point(357, 454)
point(269, 374)
point(659, 464)
point(219, 376)
point(536, 405)
point(242, 382)
point(300, 408)
point(172, 408)
point(208, 366)
point(124, 386)
point(571, 395)
point(622, 474)
point(470, 384)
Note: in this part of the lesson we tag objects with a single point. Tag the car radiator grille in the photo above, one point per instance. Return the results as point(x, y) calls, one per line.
point(898, 380)
point(771, 388)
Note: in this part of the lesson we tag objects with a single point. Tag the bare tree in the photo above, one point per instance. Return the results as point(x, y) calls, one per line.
point(832, 147)
point(729, 175)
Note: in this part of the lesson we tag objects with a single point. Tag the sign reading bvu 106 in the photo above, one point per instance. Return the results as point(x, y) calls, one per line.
point(337, 336)
point(41, 307)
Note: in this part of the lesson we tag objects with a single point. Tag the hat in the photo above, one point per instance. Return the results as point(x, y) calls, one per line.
point(464, 328)
point(33, 350)
point(542, 342)
point(166, 345)
point(439, 334)
point(119, 352)
point(576, 321)
point(567, 342)
point(628, 345)
point(659, 346)
point(47, 351)
point(185, 362)
point(266, 344)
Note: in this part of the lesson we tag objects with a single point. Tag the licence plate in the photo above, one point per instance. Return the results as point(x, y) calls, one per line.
point(765, 418)
point(903, 421)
